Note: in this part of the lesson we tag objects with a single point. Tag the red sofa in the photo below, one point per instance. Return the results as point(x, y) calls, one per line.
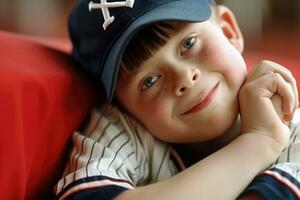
point(43, 99)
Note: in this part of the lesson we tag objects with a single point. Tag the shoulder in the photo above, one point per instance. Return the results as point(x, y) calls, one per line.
point(115, 150)
point(110, 122)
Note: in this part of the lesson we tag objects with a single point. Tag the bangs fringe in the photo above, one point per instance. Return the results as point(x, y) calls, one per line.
point(145, 43)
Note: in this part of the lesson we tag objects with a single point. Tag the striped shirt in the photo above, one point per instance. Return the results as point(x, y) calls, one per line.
point(115, 153)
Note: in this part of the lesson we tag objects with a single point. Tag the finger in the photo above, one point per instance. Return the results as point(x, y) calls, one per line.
point(285, 90)
point(262, 68)
point(269, 85)
point(287, 76)
point(266, 67)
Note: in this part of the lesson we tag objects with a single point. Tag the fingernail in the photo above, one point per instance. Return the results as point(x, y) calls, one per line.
point(287, 118)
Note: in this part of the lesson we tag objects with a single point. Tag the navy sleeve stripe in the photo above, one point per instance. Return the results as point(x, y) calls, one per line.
point(275, 184)
point(93, 183)
point(285, 179)
point(105, 193)
point(283, 173)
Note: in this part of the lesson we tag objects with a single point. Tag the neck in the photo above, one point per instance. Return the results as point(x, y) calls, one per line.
point(233, 132)
point(204, 149)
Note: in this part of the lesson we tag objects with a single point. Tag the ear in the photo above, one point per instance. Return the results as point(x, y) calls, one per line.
point(230, 27)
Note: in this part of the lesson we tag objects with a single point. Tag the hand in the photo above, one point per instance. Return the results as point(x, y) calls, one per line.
point(266, 67)
point(267, 96)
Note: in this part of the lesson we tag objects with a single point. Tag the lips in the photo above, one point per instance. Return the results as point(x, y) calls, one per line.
point(204, 100)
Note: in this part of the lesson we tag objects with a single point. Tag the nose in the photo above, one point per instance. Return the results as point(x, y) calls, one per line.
point(185, 79)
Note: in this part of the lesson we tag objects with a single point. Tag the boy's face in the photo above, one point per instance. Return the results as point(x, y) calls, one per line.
point(188, 91)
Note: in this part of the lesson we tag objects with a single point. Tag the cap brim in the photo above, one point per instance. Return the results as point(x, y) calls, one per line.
point(191, 11)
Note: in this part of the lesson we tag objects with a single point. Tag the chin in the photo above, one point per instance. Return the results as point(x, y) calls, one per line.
point(223, 125)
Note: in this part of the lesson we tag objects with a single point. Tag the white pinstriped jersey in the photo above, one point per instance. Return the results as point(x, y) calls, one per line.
point(116, 151)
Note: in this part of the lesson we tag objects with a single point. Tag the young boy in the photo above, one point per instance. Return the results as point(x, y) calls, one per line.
point(174, 72)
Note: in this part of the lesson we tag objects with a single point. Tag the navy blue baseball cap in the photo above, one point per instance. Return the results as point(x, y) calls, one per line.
point(100, 31)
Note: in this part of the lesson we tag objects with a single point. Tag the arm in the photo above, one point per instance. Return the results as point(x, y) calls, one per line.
point(215, 171)
point(282, 180)
point(200, 179)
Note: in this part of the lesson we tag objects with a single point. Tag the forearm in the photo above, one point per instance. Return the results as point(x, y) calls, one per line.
point(229, 170)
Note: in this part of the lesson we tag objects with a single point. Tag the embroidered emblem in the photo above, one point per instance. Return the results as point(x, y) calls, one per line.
point(104, 6)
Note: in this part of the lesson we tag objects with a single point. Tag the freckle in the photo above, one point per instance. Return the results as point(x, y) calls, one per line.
point(165, 90)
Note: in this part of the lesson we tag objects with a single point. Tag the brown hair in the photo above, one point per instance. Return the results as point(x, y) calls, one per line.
point(146, 42)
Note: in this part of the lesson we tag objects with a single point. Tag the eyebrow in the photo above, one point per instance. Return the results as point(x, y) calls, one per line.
point(130, 73)
point(134, 72)
point(130, 76)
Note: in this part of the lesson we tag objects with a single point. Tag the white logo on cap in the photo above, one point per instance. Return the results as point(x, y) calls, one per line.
point(104, 5)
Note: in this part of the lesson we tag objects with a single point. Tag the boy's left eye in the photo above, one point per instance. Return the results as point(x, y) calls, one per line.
point(188, 44)
point(149, 81)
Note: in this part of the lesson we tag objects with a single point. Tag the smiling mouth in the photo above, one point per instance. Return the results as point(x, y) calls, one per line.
point(204, 101)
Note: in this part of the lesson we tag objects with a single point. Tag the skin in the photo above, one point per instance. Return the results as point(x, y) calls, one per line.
point(201, 57)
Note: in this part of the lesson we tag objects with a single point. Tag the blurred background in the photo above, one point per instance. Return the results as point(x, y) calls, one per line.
point(267, 25)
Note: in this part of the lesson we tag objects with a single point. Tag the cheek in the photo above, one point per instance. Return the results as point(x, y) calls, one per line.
point(229, 62)
point(157, 118)
point(154, 110)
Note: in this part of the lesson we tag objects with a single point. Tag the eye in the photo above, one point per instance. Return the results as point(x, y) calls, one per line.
point(188, 44)
point(149, 81)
